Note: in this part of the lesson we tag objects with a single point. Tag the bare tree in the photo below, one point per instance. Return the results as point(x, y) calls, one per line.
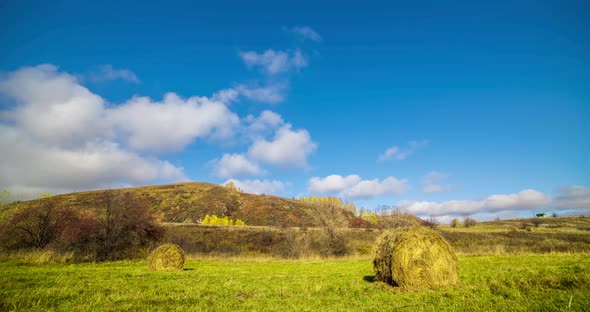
point(431, 222)
point(124, 224)
point(469, 222)
point(390, 217)
point(331, 219)
point(40, 224)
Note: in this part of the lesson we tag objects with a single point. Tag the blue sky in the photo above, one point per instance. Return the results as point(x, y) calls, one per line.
point(442, 109)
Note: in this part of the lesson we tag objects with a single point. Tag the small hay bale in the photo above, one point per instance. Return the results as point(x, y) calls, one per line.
point(415, 258)
point(166, 257)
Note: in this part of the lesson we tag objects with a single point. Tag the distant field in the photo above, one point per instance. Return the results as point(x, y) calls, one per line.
point(523, 236)
point(553, 282)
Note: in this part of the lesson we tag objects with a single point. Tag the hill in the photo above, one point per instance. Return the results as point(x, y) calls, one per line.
point(191, 201)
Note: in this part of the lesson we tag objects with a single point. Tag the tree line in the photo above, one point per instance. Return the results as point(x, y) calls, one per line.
point(215, 220)
point(121, 227)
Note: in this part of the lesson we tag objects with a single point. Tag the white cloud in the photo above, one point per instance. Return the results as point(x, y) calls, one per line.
point(226, 96)
point(573, 197)
point(60, 136)
point(52, 107)
point(267, 120)
point(108, 73)
point(352, 186)
point(431, 182)
point(275, 62)
point(271, 94)
point(288, 147)
point(259, 186)
point(172, 124)
point(306, 32)
point(401, 154)
point(523, 200)
point(373, 188)
point(28, 164)
point(235, 166)
point(333, 183)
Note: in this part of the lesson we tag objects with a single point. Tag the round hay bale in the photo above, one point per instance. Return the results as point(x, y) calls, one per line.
point(415, 258)
point(166, 257)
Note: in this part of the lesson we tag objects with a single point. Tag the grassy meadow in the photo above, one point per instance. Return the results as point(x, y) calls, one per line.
point(504, 266)
point(553, 282)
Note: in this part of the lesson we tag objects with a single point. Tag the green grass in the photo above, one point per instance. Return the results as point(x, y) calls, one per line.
point(506, 283)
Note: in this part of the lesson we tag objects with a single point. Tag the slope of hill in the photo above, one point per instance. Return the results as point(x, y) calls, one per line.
point(191, 201)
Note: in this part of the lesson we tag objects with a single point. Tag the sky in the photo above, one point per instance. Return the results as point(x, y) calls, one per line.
point(443, 109)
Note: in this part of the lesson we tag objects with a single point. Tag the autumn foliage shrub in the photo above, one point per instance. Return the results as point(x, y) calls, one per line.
point(122, 227)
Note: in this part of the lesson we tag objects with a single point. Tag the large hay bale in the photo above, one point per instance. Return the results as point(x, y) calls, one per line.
point(415, 258)
point(166, 257)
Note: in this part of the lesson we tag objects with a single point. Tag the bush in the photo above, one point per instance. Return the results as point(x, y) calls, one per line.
point(125, 225)
point(469, 222)
point(431, 222)
point(166, 257)
point(536, 222)
point(122, 227)
point(455, 223)
point(331, 219)
point(415, 258)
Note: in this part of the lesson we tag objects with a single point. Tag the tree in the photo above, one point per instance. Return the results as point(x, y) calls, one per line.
point(206, 220)
point(431, 222)
point(455, 223)
point(469, 222)
point(389, 217)
point(125, 224)
point(39, 224)
point(214, 220)
point(331, 219)
point(232, 186)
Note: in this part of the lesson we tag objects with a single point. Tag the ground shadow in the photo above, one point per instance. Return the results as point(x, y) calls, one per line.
point(188, 269)
point(369, 278)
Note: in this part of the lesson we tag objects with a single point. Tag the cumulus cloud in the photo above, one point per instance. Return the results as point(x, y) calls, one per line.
point(274, 62)
point(306, 33)
point(288, 147)
point(235, 166)
point(273, 187)
point(108, 73)
point(431, 183)
point(333, 183)
point(52, 107)
point(373, 188)
point(171, 124)
point(28, 165)
point(523, 200)
point(265, 121)
point(402, 153)
point(57, 135)
point(354, 187)
point(226, 96)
